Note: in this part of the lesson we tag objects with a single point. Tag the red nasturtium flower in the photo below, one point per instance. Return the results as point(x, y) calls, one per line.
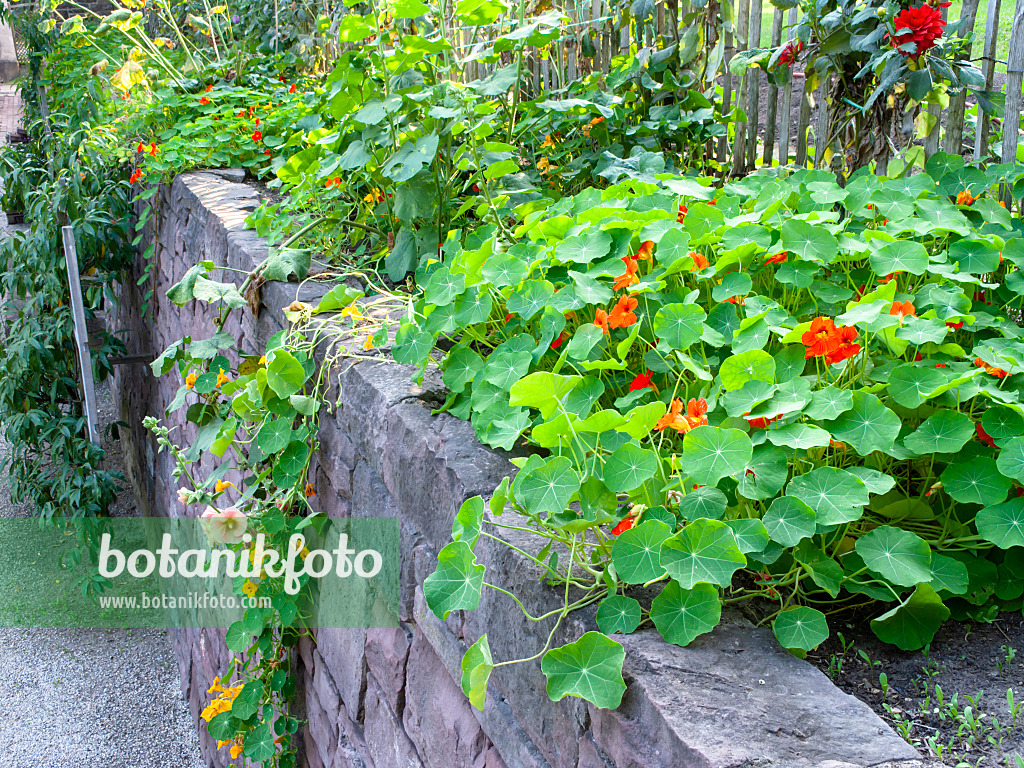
point(846, 346)
point(903, 309)
point(208, 88)
point(601, 320)
point(922, 26)
point(646, 252)
point(956, 326)
point(984, 436)
point(152, 149)
point(700, 261)
point(790, 52)
point(682, 213)
point(820, 339)
point(135, 176)
point(624, 525)
point(740, 300)
point(559, 341)
point(762, 422)
point(695, 416)
point(256, 135)
point(990, 369)
point(291, 88)
point(141, 148)
point(641, 381)
point(778, 258)
point(204, 101)
point(629, 277)
point(622, 315)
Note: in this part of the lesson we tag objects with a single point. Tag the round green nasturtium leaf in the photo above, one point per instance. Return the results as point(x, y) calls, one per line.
point(975, 256)
point(789, 363)
point(476, 671)
point(912, 624)
point(910, 385)
point(679, 325)
point(835, 495)
point(590, 668)
point(703, 502)
point(876, 482)
point(1002, 423)
point(945, 431)
point(752, 365)
point(705, 551)
point(546, 485)
point(899, 556)
point(259, 744)
point(290, 463)
point(1011, 458)
point(586, 248)
point(530, 298)
point(977, 481)
point(628, 467)
point(899, 256)
point(681, 615)
point(274, 435)
point(812, 241)
point(285, 374)
point(711, 453)
point(800, 629)
point(636, 553)
point(789, 521)
point(764, 475)
point(618, 614)
point(868, 426)
point(412, 345)
point(456, 584)
point(949, 575)
point(461, 366)
point(750, 533)
point(247, 702)
point(829, 403)
point(799, 436)
point(1003, 524)
point(507, 366)
point(503, 269)
point(224, 726)
point(742, 401)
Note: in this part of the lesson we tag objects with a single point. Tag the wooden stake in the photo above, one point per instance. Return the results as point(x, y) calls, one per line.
point(773, 96)
point(958, 104)
point(1014, 83)
point(989, 69)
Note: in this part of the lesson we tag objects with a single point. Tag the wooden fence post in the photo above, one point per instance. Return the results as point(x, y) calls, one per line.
point(753, 75)
point(804, 123)
point(958, 104)
point(773, 96)
point(739, 150)
point(1014, 81)
point(821, 125)
point(989, 56)
point(786, 126)
point(81, 336)
point(727, 54)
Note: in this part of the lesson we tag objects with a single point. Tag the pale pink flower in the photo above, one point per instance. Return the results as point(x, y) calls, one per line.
point(224, 526)
point(183, 495)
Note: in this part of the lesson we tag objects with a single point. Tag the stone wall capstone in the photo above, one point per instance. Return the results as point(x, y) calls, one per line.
point(390, 698)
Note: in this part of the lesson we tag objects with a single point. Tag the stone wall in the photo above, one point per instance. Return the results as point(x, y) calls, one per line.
point(390, 698)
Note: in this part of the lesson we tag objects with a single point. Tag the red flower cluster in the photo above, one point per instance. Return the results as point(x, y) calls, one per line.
point(824, 339)
point(695, 416)
point(921, 26)
point(621, 316)
point(790, 52)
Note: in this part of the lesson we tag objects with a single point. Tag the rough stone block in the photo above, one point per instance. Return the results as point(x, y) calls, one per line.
point(342, 651)
point(387, 651)
point(385, 738)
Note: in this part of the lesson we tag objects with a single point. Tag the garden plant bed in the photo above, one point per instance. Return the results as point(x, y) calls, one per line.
point(975, 663)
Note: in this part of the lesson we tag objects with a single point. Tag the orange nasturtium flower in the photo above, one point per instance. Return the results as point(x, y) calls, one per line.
point(622, 315)
point(257, 135)
point(819, 340)
point(695, 416)
point(845, 345)
point(334, 181)
point(965, 197)
point(601, 320)
point(700, 261)
point(204, 101)
point(903, 309)
point(629, 277)
point(190, 380)
point(376, 196)
point(681, 215)
point(310, 490)
point(624, 525)
point(778, 258)
point(222, 378)
point(646, 252)
point(589, 126)
point(990, 369)
point(548, 142)
point(138, 174)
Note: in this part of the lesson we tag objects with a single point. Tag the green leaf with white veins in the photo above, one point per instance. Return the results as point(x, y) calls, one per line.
point(812, 242)
point(910, 385)
point(504, 269)
point(456, 584)
point(1011, 457)
point(211, 291)
point(789, 521)
point(711, 453)
point(899, 256)
point(835, 495)
point(636, 553)
point(899, 556)
point(543, 390)
point(913, 623)
point(584, 249)
point(682, 615)
point(590, 668)
point(679, 325)
point(628, 467)
point(505, 367)
point(1003, 524)
point(829, 403)
point(800, 628)
point(868, 426)
point(705, 551)
point(619, 614)
point(977, 481)
point(945, 431)
point(754, 364)
point(546, 485)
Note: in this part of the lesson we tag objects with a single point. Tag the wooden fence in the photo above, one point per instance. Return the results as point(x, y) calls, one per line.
point(795, 117)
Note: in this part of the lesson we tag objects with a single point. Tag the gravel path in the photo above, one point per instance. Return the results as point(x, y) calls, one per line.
point(92, 699)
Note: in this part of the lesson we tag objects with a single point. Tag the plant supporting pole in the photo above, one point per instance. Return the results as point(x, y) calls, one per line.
point(989, 68)
point(958, 104)
point(81, 335)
